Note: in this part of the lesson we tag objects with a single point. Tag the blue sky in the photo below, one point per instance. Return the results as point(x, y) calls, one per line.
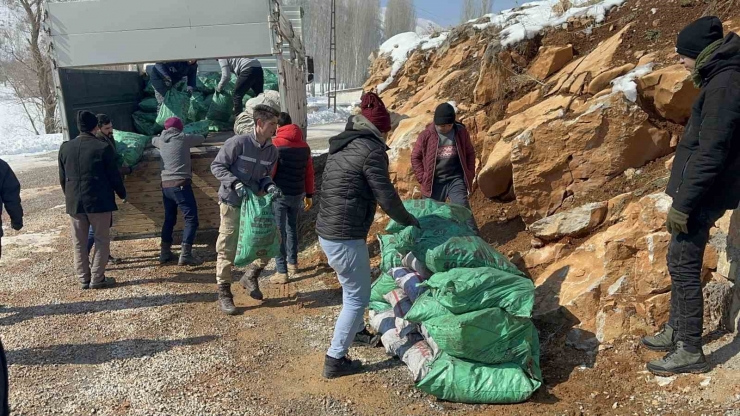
point(447, 12)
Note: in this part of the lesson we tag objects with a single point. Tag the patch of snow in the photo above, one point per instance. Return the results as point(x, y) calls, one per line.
point(16, 133)
point(626, 83)
point(653, 10)
point(399, 48)
point(324, 115)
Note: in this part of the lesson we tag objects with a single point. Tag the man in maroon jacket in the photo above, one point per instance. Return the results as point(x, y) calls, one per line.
point(444, 160)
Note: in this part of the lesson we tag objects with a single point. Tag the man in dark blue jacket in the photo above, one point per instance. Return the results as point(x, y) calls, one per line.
point(164, 75)
point(10, 198)
point(704, 183)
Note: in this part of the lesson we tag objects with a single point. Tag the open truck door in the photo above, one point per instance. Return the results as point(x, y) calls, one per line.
point(101, 33)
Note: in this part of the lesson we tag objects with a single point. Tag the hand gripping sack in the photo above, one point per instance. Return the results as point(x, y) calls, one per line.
point(258, 233)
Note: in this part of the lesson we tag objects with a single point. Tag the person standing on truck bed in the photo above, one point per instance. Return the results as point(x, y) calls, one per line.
point(163, 75)
point(243, 165)
point(89, 177)
point(249, 75)
point(444, 160)
point(177, 189)
point(294, 176)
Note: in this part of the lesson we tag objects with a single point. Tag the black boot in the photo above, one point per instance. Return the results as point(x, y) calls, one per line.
point(251, 284)
point(334, 367)
point(165, 253)
point(186, 256)
point(365, 339)
point(226, 299)
point(107, 283)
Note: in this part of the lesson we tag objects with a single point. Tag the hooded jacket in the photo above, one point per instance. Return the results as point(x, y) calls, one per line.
point(10, 196)
point(178, 70)
point(294, 173)
point(424, 157)
point(174, 149)
point(706, 170)
point(355, 181)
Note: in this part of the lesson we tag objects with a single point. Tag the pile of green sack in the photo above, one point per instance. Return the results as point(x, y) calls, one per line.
point(202, 112)
point(456, 311)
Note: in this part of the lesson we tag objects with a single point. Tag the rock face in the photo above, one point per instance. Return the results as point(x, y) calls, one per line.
point(617, 281)
point(550, 60)
point(573, 223)
point(670, 91)
point(402, 144)
point(553, 161)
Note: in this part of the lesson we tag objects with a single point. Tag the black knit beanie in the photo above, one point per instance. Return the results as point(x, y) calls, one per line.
point(86, 121)
point(695, 37)
point(444, 114)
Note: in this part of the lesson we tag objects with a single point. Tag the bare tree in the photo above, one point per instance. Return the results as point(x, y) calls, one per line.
point(400, 17)
point(24, 44)
point(486, 6)
point(469, 10)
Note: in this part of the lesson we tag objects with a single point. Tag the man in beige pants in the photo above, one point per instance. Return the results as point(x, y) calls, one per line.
point(89, 176)
point(243, 165)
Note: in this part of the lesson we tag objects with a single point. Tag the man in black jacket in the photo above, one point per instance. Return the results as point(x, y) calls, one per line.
point(89, 177)
point(355, 180)
point(704, 183)
point(10, 198)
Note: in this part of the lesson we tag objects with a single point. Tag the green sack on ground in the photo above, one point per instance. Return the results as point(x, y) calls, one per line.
point(468, 290)
point(199, 127)
point(381, 287)
point(130, 146)
point(389, 256)
point(467, 253)
point(198, 107)
point(425, 308)
point(146, 123)
point(379, 306)
point(434, 232)
point(417, 208)
point(271, 80)
point(258, 233)
point(462, 381)
point(175, 104)
point(490, 336)
point(148, 105)
point(220, 107)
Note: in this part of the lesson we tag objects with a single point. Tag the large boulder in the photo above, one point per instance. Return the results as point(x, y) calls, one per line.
point(550, 60)
point(578, 155)
point(670, 91)
point(574, 223)
point(402, 144)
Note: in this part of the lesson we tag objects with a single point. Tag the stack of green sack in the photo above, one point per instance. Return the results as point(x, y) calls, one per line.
point(474, 313)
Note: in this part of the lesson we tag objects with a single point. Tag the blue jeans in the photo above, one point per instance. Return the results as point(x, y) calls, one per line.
point(179, 197)
point(286, 215)
point(91, 236)
point(351, 260)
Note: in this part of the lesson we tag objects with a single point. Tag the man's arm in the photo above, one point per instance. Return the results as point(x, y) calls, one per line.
point(376, 173)
point(157, 142)
point(192, 75)
point(310, 177)
point(469, 150)
point(10, 189)
point(194, 140)
point(162, 69)
point(225, 73)
point(221, 166)
point(417, 156)
point(62, 174)
point(720, 119)
point(112, 172)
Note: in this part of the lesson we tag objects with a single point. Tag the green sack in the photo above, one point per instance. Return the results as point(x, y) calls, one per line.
point(130, 146)
point(434, 232)
point(417, 208)
point(489, 336)
point(425, 308)
point(175, 104)
point(199, 127)
point(221, 107)
point(207, 83)
point(146, 123)
point(148, 105)
point(379, 306)
point(462, 381)
point(258, 233)
point(149, 89)
point(381, 287)
point(467, 253)
point(468, 290)
point(389, 256)
point(271, 80)
point(198, 107)
point(217, 126)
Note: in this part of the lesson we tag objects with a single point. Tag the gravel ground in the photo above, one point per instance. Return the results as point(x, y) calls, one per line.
point(157, 345)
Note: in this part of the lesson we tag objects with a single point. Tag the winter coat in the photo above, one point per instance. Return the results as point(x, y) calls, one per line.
point(174, 150)
point(178, 70)
point(424, 157)
point(706, 169)
point(235, 66)
point(294, 169)
point(10, 196)
point(89, 176)
point(242, 159)
point(355, 181)
point(123, 170)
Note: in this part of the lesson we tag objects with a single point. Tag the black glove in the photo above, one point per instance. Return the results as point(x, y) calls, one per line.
point(273, 189)
point(415, 222)
point(168, 82)
point(17, 225)
point(677, 222)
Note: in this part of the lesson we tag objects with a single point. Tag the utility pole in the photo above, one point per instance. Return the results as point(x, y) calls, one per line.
point(333, 57)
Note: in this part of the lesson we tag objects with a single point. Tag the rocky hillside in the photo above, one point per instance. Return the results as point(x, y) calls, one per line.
point(574, 123)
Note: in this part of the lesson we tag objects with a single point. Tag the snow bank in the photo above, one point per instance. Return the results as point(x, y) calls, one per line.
point(626, 83)
point(16, 133)
point(399, 48)
point(325, 115)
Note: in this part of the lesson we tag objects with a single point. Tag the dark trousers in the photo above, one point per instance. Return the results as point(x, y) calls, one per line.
point(91, 237)
point(685, 259)
point(457, 192)
point(286, 215)
point(157, 80)
point(250, 79)
point(179, 197)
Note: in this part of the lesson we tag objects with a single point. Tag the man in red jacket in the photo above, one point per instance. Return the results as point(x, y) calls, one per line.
point(444, 160)
point(294, 175)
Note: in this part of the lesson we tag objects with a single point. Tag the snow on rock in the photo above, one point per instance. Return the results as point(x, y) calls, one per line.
point(400, 46)
point(627, 84)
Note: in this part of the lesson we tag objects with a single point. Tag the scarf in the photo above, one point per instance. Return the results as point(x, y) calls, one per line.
point(702, 59)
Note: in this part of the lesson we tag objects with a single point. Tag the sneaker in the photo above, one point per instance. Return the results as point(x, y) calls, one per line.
point(279, 279)
point(365, 339)
point(678, 361)
point(107, 282)
point(293, 269)
point(334, 367)
point(662, 341)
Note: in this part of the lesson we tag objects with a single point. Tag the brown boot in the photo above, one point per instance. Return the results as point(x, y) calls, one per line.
point(250, 282)
point(279, 279)
point(226, 299)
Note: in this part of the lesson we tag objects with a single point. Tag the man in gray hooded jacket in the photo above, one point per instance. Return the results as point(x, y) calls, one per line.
point(249, 75)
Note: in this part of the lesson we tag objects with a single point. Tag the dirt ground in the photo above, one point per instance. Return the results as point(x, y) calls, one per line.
point(157, 344)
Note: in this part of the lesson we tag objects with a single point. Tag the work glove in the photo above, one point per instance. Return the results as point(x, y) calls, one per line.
point(190, 90)
point(241, 190)
point(168, 82)
point(677, 222)
point(219, 89)
point(307, 203)
point(273, 189)
point(17, 225)
point(124, 201)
